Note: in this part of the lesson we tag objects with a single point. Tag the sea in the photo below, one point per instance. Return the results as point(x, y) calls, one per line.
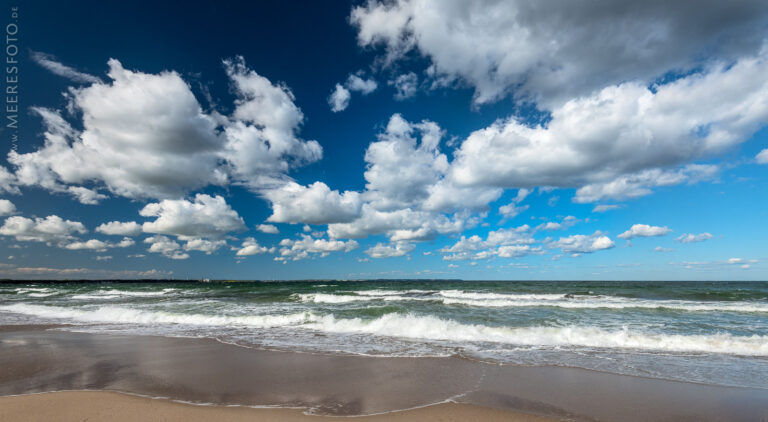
point(693, 331)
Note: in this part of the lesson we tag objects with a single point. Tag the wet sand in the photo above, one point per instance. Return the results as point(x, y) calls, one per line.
point(117, 407)
point(34, 360)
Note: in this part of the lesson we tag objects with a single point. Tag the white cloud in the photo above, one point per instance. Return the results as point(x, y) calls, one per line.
point(98, 245)
point(762, 157)
point(118, 228)
point(313, 204)
point(639, 184)
point(342, 94)
point(49, 229)
point(146, 136)
point(339, 99)
point(389, 251)
point(49, 62)
point(267, 228)
point(6, 207)
point(405, 85)
point(496, 243)
point(580, 243)
point(251, 247)
point(363, 86)
point(401, 169)
point(85, 195)
point(693, 238)
point(261, 141)
point(93, 244)
point(167, 247)
point(512, 210)
point(553, 53)
point(206, 216)
point(661, 249)
point(8, 182)
point(566, 223)
point(626, 131)
point(644, 230)
point(204, 245)
point(296, 249)
point(606, 207)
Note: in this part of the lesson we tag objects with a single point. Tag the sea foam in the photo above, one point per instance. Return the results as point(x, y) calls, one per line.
point(423, 327)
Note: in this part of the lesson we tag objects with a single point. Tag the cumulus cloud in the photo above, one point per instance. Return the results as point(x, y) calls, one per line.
point(6, 207)
point(85, 195)
point(639, 184)
point(8, 182)
point(579, 243)
point(204, 245)
point(306, 246)
point(694, 238)
point(51, 229)
point(251, 247)
point(313, 204)
point(165, 246)
point(567, 222)
point(119, 228)
point(363, 86)
point(339, 98)
point(146, 136)
point(342, 93)
point(261, 137)
point(389, 251)
point(643, 230)
point(205, 216)
point(623, 135)
point(554, 52)
point(267, 228)
point(98, 245)
point(506, 243)
point(405, 85)
point(49, 62)
point(762, 157)
point(511, 210)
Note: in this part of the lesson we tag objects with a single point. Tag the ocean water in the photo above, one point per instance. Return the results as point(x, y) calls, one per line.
point(705, 332)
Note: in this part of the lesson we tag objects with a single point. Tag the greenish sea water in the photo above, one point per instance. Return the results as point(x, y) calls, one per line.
point(707, 332)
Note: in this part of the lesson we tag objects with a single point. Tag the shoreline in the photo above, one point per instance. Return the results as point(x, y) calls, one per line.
point(205, 371)
point(124, 407)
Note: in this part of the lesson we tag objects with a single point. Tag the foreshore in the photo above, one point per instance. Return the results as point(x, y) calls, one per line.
point(83, 376)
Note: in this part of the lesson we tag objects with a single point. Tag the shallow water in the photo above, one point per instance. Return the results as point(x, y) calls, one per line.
point(707, 332)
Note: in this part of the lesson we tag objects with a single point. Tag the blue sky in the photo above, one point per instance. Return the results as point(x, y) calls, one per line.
point(407, 139)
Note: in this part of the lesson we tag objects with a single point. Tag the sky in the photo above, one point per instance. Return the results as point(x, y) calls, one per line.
point(436, 139)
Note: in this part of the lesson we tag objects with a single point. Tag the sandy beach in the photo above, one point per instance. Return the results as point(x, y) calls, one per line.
point(203, 371)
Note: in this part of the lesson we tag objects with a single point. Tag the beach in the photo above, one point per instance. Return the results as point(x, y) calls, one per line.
point(159, 376)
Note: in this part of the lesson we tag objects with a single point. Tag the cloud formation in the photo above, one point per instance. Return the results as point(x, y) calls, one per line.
point(49, 62)
point(550, 52)
point(146, 136)
point(643, 230)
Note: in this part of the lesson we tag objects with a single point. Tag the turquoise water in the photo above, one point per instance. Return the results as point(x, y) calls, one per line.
point(708, 332)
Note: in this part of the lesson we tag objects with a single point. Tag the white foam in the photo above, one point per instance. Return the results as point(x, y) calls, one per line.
point(116, 314)
point(135, 293)
point(433, 328)
point(92, 297)
point(40, 294)
point(458, 294)
point(335, 298)
point(607, 302)
point(422, 328)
